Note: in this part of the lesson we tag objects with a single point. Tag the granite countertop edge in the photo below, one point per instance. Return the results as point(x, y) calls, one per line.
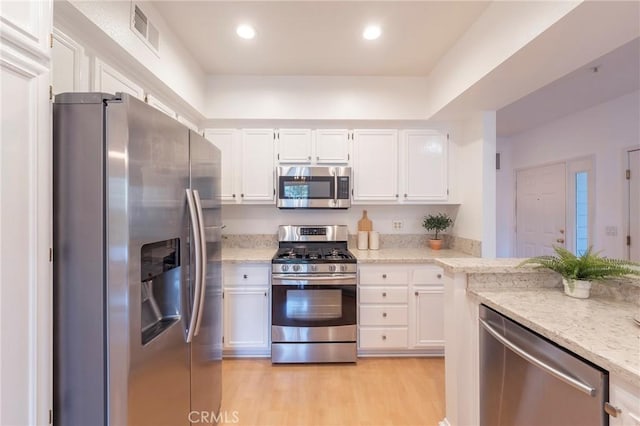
point(597, 329)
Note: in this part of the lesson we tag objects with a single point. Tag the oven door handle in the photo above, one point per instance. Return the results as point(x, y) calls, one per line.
point(281, 279)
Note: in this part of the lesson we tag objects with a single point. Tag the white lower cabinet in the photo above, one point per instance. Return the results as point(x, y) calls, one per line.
point(400, 310)
point(246, 310)
point(624, 397)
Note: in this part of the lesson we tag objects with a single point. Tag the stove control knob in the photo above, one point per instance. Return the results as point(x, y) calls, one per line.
point(296, 268)
point(332, 268)
point(284, 268)
point(343, 268)
point(314, 268)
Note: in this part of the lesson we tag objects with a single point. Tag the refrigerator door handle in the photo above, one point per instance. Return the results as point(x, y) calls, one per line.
point(203, 254)
point(197, 245)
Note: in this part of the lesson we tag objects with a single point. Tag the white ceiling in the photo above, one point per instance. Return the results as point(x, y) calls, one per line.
point(319, 37)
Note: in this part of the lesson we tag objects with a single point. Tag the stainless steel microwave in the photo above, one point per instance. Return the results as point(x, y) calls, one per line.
point(305, 187)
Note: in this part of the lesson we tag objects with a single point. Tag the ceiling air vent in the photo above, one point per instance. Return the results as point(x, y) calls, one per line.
point(145, 29)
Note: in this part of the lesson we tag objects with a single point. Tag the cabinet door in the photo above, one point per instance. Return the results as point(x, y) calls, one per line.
point(69, 65)
point(424, 165)
point(246, 318)
point(332, 146)
point(111, 81)
point(157, 104)
point(375, 165)
point(227, 142)
point(258, 172)
point(294, 146)
point(428, 306)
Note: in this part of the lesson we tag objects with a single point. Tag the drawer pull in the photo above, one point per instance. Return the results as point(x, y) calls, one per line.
point(245, 276)
point(384, 315)
point(384, 275)
point(384, 337)
point(416, 293)
point(384, 294)
point(439, 275)
point(612, 410)
point(265, 294)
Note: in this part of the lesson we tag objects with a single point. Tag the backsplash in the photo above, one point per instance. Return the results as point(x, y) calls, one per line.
point(249, 241)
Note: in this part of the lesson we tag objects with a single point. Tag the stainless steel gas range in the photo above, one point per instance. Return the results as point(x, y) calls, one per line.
point(314, 287)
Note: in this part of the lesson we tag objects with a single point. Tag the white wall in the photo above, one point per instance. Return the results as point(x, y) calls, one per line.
point(173, 65)
point(475, 185)
point(316, 97)
point(604, 131)
point(261, 219)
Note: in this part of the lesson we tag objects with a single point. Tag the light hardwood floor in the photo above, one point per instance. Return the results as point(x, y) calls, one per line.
point(375, 391)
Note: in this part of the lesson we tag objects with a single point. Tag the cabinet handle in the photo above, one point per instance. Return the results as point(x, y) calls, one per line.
point(234, 195)
point(384, 275)
point(384, 337)
point(416, 293)
point(265, 294)
point(405, 195)
point(309, 158)
point(384, 315)
point(245, 276)
point(612, 410)
point(384, 294)
point(439, 276)
point(397, 196)
point(318, 158)
point(241, 195)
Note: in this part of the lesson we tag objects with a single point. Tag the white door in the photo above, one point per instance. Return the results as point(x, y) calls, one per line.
point(294, 145)
point(226, 140)
point(25, 214)
point(258, 172)
point(424, 165)
point(540, 210)
point(375, 165)
point(332, 146)
point(634, 205)
point(246, 318)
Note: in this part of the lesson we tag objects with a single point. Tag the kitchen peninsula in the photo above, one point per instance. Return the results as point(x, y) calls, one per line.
point(600, 329)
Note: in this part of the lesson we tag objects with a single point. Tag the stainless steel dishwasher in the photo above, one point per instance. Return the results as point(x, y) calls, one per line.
point(527, 380)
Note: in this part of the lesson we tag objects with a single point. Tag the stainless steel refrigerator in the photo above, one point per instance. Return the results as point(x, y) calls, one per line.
point(137, 273)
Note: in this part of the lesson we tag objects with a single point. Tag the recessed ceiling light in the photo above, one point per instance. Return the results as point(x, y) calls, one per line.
point(246, 32)
point(372, 32)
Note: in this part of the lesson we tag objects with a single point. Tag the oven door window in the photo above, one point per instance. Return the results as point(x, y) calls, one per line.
point(307, 188)
point(314, 305)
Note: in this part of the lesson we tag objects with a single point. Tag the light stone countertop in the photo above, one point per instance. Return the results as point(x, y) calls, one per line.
point(404, 255)
point(471, 265)
point(601, 330)
point(247, 255)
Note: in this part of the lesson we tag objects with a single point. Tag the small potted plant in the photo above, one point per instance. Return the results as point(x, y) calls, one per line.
point(578, 271)
point(437, 223)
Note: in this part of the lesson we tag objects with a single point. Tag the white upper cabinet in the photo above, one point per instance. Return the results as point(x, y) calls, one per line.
point(69, 65)
point(423, 165)
point(27, 24)
point(375, 165)
point(322, 146)
point(332, 146)
point(157, 104)
point(227, 141)
point(294, 146)
point(108, 80)
point(258, 170)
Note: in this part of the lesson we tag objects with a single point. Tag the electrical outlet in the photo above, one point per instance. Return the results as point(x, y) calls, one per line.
point(397, 225)
point(611, 231)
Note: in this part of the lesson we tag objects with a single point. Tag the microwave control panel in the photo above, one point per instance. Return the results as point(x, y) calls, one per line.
point(343, 188)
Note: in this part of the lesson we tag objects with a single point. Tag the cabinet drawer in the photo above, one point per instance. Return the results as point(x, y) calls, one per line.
point(429, 276)
point(246, 275)
point(375, 338)
point(383, 294)
point(384, 315)
point(383, 276)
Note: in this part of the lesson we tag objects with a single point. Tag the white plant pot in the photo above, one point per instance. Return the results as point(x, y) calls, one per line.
point(580, 290)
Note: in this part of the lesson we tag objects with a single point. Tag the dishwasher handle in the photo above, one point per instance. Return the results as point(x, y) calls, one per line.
point(591, 391)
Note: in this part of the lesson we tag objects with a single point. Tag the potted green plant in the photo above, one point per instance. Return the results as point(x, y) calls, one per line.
point(436, 223)
point(578, 271)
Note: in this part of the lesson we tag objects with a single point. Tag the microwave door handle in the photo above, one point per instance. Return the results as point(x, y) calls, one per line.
point(193, 215)
point(203, 255)
point(335, 187)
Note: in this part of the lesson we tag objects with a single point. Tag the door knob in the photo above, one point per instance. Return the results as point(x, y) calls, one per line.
point(560, 240)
